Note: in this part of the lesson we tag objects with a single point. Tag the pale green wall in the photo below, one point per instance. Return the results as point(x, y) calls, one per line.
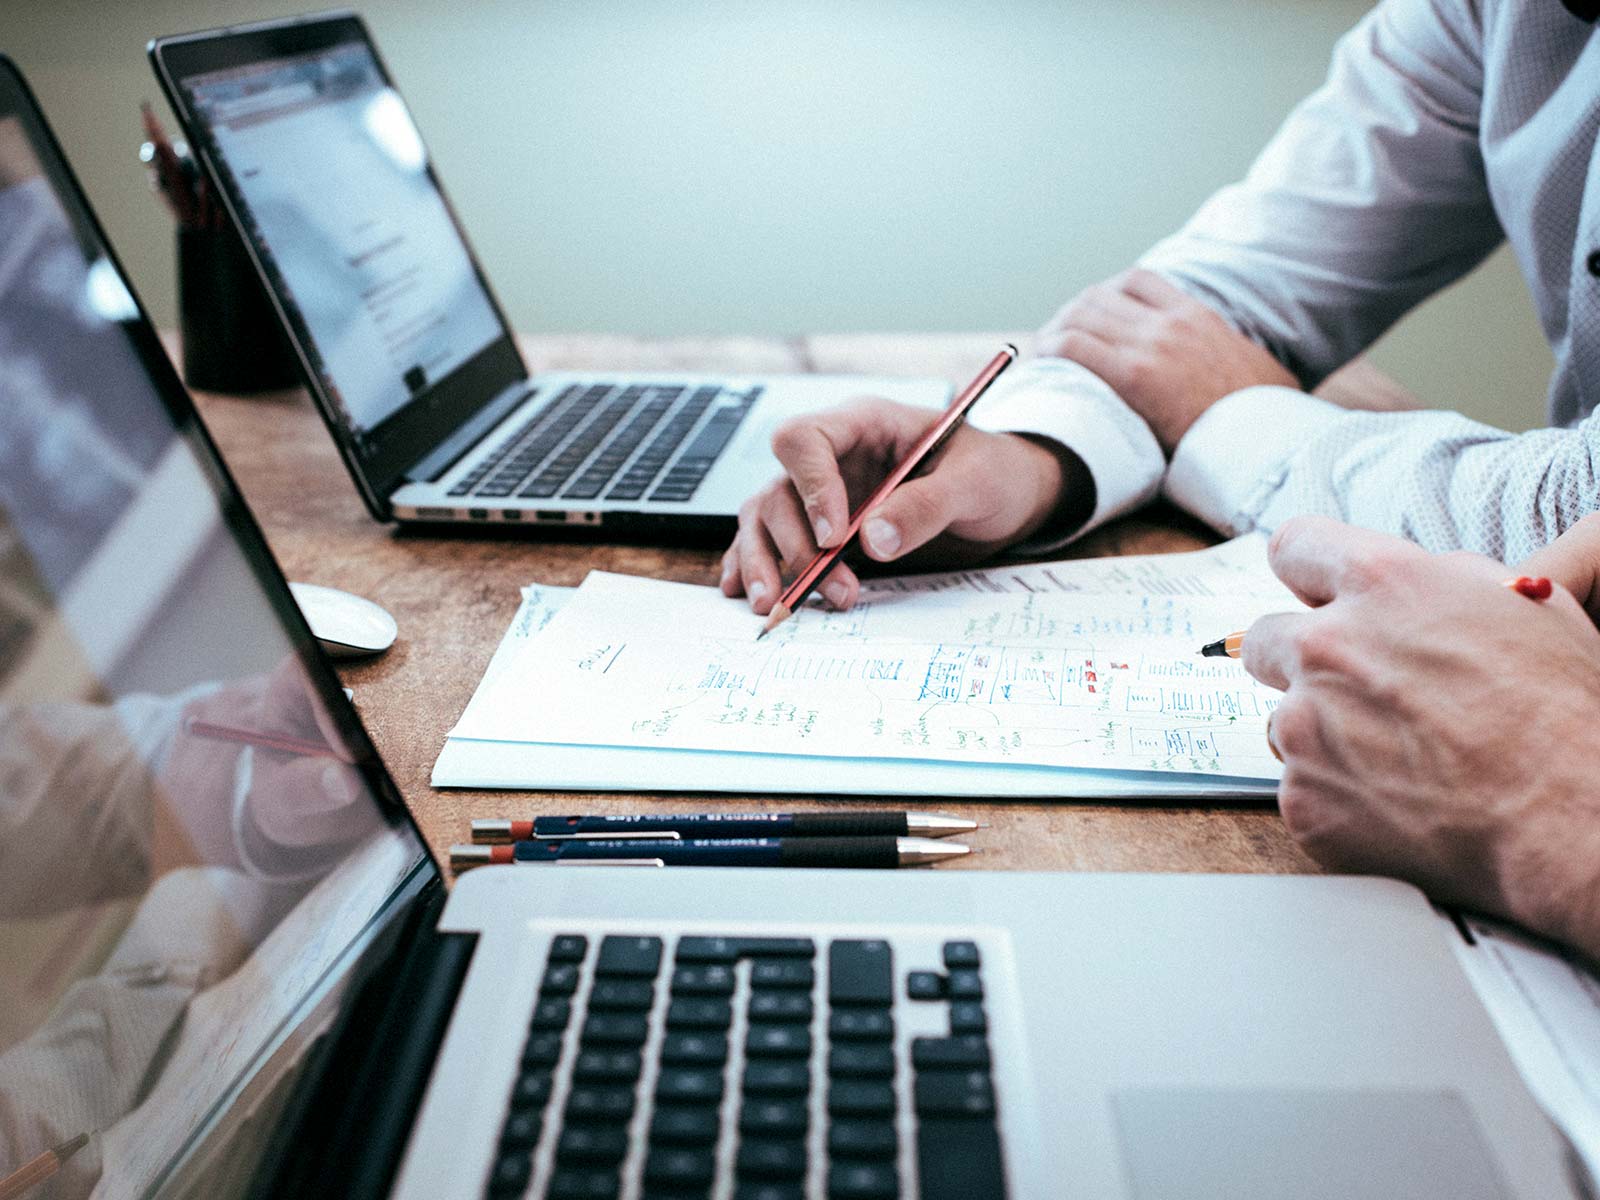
point(693, 166)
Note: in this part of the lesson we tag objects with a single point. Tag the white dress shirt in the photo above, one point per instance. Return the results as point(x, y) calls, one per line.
point(1443, 127)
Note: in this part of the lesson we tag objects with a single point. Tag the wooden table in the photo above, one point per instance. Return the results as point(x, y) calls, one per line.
point(454, 595)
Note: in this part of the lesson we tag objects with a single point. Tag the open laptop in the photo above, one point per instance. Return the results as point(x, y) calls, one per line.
point(399, 339)
point(231, 968)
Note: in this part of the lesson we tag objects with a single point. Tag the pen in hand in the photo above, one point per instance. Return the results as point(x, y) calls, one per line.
point(938, 433)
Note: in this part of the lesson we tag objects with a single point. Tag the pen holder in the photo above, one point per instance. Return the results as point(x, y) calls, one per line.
point(232, 341)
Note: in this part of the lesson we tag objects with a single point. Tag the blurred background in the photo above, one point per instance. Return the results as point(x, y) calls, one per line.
point(697, 166)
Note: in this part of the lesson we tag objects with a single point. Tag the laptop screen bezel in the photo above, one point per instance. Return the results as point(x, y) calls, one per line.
point(397, 443)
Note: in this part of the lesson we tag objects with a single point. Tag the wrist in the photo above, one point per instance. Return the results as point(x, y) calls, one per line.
point(1063, 490)
point(1550, 872)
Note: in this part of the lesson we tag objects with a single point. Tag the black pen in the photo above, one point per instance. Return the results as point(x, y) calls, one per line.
point(663, 826)
point(703, 852)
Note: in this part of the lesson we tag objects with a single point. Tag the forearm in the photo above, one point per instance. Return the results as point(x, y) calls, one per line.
point(1445, 482)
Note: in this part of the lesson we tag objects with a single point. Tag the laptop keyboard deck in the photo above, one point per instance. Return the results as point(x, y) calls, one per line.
point(760, 1068)
point(613, 441)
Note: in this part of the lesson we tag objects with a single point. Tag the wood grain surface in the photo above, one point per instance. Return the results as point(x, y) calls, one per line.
point(453, 596)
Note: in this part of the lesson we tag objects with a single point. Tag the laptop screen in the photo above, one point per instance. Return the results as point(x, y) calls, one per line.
point(336, 192)
point(196, 839)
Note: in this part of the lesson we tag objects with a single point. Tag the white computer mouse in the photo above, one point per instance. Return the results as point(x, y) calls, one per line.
point(347, 626)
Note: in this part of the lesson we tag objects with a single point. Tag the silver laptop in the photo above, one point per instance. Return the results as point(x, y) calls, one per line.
point(401, 343)
point(231, 969)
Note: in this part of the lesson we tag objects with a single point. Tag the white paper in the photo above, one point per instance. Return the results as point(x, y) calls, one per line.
point(1547, 1010)
point(1233, 569)
point(1048, 680)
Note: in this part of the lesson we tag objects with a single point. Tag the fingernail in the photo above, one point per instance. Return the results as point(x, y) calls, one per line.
point(757, 591)
point(836, 593)
point(883, 537)
point(824, 530)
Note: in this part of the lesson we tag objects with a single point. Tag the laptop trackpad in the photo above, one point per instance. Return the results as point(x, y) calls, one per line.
point(1255, 1144)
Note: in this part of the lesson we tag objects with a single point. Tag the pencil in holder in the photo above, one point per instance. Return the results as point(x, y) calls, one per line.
point(232, 341)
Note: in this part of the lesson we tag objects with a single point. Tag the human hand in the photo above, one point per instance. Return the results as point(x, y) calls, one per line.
point(1573, 561)
point(1437, 726)
point(985, 491)
point(294, 800)
point(1169, 356)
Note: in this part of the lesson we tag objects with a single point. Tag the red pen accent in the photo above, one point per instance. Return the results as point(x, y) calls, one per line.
point(1535, 587)
point(927, 446)
point(267, 741)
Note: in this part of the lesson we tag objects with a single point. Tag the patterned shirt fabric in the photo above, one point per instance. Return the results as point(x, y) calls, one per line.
point(1444, 127)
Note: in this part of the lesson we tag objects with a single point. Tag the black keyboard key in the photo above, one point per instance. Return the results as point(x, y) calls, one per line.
point(552, 1012)
point(859, 1098)
point(792, 1008)
point(965, 985)
point(678, 1167)
point(584, 1183)
point(861, 1025)
point(777, 947)
point(694, 1049)
point(953, 1093)
point(766, 1159)
point(776, 1077)
point(710, 980)
point(683, 1125)
point(622, 995)
point(966, 1053)
point(768, 1190)
point(560, 979)
point(860, 972)
point(959, 956)
point(615, 1029)
point(683, 1085)
point(708, 950)
point(925, 985)
point(863, 1139)
point(600, 1104)
point(968, 1016)
point(631, 957)
point(862, 1060)
point(863, 1181)
point(783, 974)
point(521, 1130)
point(510, 1173)
point(600, 1144)
point(531, 1090)
point(778, 1041)
point(959, 1159)
point(568, 948)
point(698, 1013)
point(607, 1066)
point(772, 1118)
point(542, 1050)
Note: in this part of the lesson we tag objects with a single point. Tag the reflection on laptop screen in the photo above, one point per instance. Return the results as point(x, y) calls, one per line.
point(336, 182)
point(173, 903)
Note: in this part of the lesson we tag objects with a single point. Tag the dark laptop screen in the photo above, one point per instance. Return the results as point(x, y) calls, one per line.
point(335, 183)
point(177, 908)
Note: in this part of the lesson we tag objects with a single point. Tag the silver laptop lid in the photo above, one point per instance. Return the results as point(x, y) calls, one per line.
point(196, 838)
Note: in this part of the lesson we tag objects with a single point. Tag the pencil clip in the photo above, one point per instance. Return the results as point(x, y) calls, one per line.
point(608, 837)
point(610, 862)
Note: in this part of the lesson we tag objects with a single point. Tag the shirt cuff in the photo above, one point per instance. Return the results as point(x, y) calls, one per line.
point(1237, 454)
point(1059, 400)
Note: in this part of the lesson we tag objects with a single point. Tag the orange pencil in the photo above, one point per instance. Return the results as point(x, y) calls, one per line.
point(1229, 647)
point(794, 595)
point(40, 1167)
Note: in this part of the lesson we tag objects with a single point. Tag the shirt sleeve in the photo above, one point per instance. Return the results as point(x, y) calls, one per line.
point(1265, 454)
point(1063, 402)
point(1370, 197)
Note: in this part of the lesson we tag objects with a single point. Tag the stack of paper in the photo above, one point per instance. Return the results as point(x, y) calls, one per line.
point(1063, 679)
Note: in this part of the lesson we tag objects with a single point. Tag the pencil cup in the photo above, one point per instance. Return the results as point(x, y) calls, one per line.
point(231, 338)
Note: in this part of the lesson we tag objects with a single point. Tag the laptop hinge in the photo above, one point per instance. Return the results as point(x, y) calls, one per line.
point(347, 1133)
point(447, 453)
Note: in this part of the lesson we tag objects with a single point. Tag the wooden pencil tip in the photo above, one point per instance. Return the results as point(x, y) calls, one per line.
point(779, 614)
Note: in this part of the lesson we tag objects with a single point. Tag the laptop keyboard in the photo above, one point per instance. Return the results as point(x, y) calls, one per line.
point(758, 1068)
point(613, 440)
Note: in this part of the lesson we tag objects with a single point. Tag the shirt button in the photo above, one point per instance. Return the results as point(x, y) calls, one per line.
point(1593, 263)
